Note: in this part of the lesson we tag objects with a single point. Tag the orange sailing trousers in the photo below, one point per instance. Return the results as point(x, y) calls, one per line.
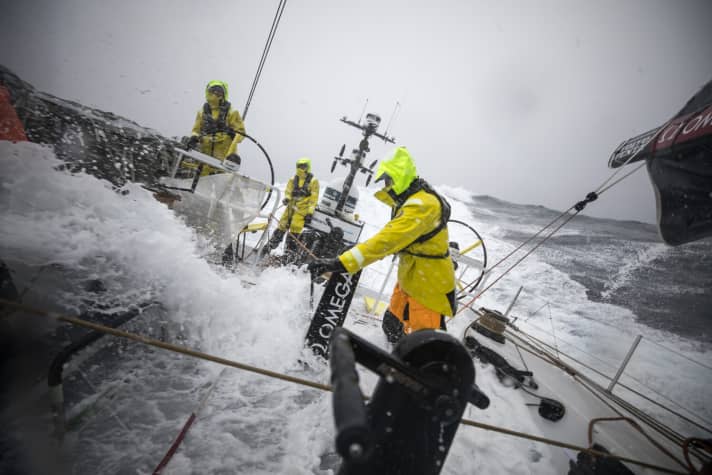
point(412, 314)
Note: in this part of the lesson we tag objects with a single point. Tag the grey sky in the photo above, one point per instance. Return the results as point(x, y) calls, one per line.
point(521, 100)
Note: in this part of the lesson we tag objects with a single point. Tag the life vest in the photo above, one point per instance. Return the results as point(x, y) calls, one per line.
point(445, 210)
point(212, 126)
point(301, 191)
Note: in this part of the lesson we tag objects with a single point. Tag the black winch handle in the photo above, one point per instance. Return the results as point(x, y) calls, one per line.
point(353, 436)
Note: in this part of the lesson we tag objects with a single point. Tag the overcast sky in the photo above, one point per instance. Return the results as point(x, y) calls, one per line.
point(522, 100)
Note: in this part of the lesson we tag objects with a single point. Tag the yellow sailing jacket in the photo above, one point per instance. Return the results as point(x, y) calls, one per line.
point(218, 144)
point(303, 194)
point(425, 270)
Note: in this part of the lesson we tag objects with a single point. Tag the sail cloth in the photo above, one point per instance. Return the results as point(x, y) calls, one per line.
point(678, 157)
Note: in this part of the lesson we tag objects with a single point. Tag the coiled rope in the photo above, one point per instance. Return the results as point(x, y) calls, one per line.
point(312, 384)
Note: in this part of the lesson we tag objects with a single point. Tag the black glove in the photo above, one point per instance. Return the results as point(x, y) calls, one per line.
point(285, 201)
point(320, 266)
point(193, 142)
point(233, 157)
point(307, 220)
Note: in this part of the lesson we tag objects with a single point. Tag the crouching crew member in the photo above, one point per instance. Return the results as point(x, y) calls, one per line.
point(300, 198)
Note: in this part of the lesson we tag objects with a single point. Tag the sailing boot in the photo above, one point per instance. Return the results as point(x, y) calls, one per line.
point(392, 327)
point(290, 249)
point(228, 257)
point(273, 242)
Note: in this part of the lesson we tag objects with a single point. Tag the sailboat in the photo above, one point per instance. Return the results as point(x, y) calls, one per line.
point(571, 404)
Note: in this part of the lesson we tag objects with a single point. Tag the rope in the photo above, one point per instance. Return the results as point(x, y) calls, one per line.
point(535, 312)
point(686, 419)
point(301, 244)
point(215, 359)
point(27, 288)
point(543, 353)
point(166, 346)
point(597, 322)
point(268, 45)
point(293, 236)
point(565, 445)
point(601, 394)
point(530, 239)
point(469, 304)
point(560, 364)
point(590, 197)
point(622, 178)
point(628, 388)
point(578, 207)
point(597, 391)
point(604, 362)
point(521, 357)
point(630, 421)
point(680, 354)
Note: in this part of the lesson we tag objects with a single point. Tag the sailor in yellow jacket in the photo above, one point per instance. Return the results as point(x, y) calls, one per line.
point(300, 197)
point(417, 232)
point(218, 128)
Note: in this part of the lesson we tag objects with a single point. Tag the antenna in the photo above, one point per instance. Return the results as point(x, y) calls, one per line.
point(358, 154)
point(362, 111)
point(395, 111)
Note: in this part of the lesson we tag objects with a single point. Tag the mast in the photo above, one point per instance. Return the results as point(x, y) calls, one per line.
point(358, 155)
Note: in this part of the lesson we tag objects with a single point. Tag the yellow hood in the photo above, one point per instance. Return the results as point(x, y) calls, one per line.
point(400, 167)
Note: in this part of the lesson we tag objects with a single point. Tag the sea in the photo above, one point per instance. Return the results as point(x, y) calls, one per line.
point(623, 263)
